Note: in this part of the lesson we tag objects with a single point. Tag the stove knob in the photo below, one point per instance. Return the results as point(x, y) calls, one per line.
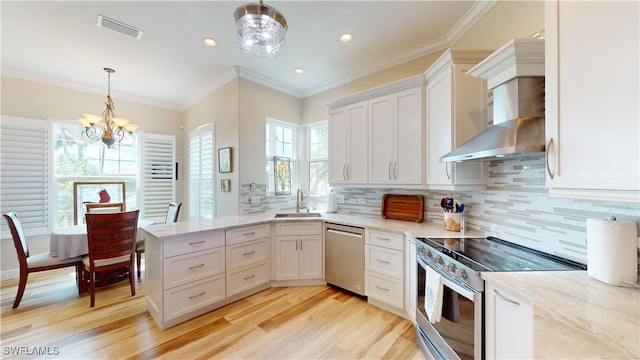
point(451, 267)
point(439, 260)
point(429, 254)
point(461, 273)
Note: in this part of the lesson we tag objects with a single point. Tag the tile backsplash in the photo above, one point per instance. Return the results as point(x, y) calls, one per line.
point(516, 207)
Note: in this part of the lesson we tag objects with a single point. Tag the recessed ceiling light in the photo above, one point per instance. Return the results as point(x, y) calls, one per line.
point(346, 37)
point(299, 71)
point(210, 42)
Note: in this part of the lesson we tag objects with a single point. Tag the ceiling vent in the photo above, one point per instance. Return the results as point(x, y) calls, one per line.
point(118, 26)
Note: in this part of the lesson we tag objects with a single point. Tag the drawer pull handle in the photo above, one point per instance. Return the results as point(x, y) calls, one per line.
point(195, 267)
point(249, 253)
point(381, 288)
point(505, 298)
point(384, 239)
point(250, 277)
point(383, 261)
point(249, 233)
point(195, 296)
point(197, 242)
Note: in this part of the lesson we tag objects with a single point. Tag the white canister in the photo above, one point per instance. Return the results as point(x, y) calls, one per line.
point(611, 251)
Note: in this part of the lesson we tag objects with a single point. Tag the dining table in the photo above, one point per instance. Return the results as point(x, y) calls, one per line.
point(71, 241)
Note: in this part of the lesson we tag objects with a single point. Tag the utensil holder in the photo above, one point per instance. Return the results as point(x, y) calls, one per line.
point(452, 221)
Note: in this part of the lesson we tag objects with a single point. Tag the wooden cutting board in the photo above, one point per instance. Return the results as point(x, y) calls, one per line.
point(403, 207)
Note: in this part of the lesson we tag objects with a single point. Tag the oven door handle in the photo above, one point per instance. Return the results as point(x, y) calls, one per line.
point(464, 291)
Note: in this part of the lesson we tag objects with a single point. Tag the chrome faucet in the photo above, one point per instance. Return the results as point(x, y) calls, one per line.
point(299, 199)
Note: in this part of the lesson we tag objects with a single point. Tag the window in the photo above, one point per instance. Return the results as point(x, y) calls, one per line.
point(280, 141)
point(158, 175)
point(318, 158)
point(202, 172)
point(75, 160)
point(24, 159)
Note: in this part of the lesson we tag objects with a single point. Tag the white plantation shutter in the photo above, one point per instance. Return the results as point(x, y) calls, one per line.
point(24, 172)
point(202, 172)
point(158, 175)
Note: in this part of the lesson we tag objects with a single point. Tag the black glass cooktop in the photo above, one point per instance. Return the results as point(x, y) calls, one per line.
point(496, 254)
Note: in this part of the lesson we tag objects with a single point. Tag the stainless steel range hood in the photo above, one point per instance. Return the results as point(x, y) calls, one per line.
point(518, 130)
point(515, 73)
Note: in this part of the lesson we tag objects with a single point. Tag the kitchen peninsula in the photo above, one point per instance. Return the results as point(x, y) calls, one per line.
point(573, 316)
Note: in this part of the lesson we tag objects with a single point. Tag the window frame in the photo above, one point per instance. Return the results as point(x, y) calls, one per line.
point(269, 155)
point(309, 160)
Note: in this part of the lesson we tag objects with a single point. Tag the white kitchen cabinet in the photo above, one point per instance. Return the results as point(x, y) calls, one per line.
point(348, 144)
point(456, 110)
point(509, 324)
point(411, 277)
point(384, 270)
point(592, 91)
point(185, 275)
point(248, 258)
point(299, 251)
point(395, 133)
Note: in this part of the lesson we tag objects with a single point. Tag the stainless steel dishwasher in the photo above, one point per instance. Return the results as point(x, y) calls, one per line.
point(344, 257)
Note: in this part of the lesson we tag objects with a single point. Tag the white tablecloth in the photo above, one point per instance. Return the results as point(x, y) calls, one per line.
point(71, 241)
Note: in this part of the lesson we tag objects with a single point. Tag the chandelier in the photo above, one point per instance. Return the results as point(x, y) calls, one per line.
point(108, 128)
point(261, 29)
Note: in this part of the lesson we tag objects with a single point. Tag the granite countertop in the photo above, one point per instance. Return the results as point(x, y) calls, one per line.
point(577, 317)
point(225, 222)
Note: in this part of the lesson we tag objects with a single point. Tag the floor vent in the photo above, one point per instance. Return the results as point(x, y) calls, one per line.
point(118, 26)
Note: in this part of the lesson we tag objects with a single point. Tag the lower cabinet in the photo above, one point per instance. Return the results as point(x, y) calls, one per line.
point(299, 251)
point(384, 269)
point(248, 258)
point(509, 324)
point(184, 275)
point(411, 278)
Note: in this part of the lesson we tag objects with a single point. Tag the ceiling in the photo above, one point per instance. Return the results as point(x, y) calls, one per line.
point(59, 43)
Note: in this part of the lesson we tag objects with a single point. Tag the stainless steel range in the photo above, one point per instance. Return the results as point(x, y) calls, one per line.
point(460, 262)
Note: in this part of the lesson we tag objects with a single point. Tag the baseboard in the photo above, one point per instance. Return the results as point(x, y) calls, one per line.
point(9, 274)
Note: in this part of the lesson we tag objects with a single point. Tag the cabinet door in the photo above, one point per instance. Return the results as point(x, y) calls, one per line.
point(357, 144)
point(311, 257)
point(338, 146)
point(287, 258)
point(509, 324)
point(592, 92)
point(382, 134)
point(407, 166)
point(439, 107)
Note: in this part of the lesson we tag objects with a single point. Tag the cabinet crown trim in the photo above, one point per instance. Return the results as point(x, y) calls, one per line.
point(455, 56)
point(404, 84)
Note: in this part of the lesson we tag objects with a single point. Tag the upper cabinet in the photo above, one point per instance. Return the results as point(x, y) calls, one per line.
point(456, 111)
point(592, 92)
point(348, 144)
point(376, 136)
point(395, 138)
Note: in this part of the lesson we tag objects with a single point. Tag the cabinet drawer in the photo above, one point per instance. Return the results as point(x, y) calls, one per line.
point(192, 242)
point(193, 296)
point(299, 228)
point(246, 279)
point(242, 255)
point(385, 289)
point(247, 233)
point(384, 261)
point(389, 240)
point(183, 269)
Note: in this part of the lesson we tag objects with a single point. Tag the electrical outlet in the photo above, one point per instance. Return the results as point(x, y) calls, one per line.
point(362, 201)
point(340, 199)
point(255, 200)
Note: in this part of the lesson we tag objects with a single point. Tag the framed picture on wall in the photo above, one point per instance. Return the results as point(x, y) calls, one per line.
point(225, 185)
point(224, 160)
point(282, 173)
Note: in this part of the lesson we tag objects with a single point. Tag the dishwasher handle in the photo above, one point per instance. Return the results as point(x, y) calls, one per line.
point(340, 232)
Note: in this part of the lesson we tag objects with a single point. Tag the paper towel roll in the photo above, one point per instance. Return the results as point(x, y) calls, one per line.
point(611, 251)
point(331, 203)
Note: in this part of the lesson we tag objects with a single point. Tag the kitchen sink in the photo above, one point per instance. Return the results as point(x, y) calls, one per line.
point(297, 215)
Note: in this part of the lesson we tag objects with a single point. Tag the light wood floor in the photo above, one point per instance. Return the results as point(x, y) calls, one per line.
point(311, 322)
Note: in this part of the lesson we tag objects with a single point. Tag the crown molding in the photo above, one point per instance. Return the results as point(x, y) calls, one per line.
point(263, 80)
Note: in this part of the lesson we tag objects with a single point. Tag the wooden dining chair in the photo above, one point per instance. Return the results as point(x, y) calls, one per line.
point(104, 208)
point(172, 216)
point(37, 262)
point(112, 243)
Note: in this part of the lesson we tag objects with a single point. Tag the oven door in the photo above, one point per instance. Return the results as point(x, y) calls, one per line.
point(458, 335)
